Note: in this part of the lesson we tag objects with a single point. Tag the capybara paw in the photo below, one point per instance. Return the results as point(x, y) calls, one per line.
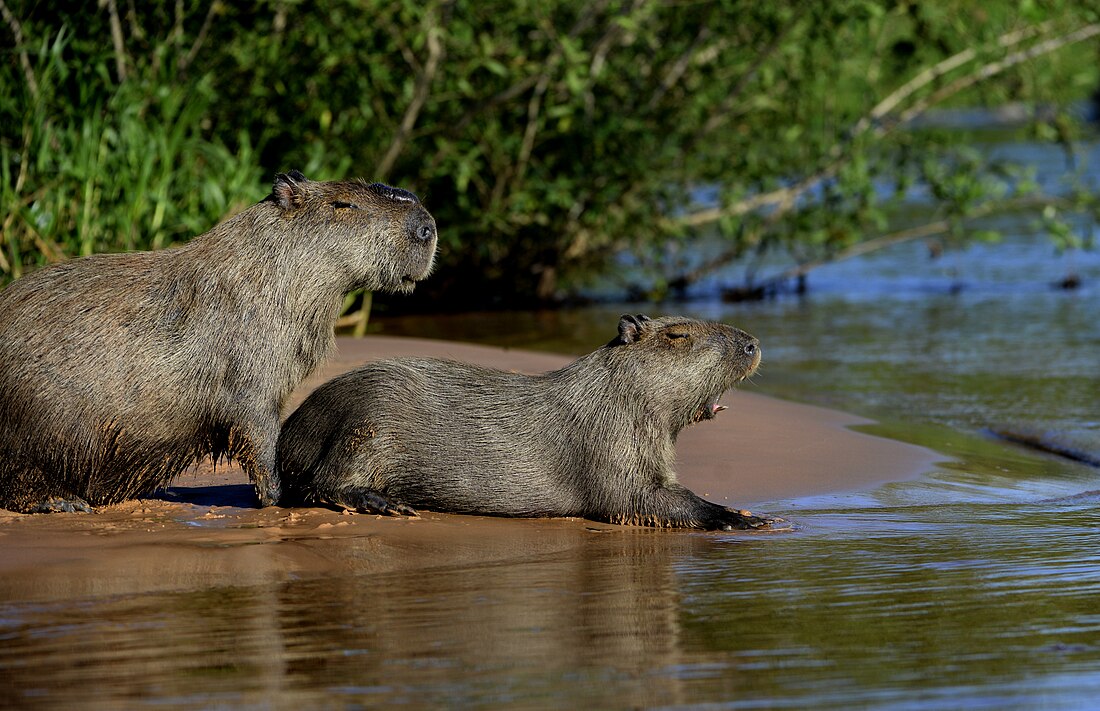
point(399, 509)
point(267, 493)
point(743, 520)
point(56, 504)
point(267, 499)
point(370, 501)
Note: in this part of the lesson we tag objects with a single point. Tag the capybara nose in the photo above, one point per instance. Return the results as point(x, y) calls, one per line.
point(752, 350)
point(422, 229)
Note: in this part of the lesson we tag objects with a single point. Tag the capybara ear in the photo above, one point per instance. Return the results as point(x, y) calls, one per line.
point(630, 328)
point(289, 189)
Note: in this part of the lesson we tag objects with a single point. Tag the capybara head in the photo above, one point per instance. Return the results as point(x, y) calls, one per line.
point(685, 363)
point(364, 225)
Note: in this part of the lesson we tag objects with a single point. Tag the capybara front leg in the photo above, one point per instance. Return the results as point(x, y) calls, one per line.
point(680, 507)
point(264, 477)
point(370, 501)
point(256, 454)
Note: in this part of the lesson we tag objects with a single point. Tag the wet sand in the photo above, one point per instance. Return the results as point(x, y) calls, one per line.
point(206, 531)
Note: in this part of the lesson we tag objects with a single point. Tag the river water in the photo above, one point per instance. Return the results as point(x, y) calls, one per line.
point(976, 585)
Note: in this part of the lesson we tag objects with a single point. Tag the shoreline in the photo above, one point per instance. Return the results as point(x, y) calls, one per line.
point(205, 530)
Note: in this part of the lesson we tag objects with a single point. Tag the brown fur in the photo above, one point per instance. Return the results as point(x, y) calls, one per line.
point(117, 371)
point(594, 439)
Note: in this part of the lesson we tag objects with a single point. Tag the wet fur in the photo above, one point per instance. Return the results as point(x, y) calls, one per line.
point(594, 439)
point(118, 371)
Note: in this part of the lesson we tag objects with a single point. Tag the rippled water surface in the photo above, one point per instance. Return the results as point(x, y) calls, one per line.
point(946, 605)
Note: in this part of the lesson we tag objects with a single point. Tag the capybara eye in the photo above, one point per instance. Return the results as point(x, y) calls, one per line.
point(345, 205)
point(750, 349)
point(672, 335)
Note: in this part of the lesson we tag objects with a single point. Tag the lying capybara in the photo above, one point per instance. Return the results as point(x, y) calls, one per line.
point(595, 439)
point(117, 371)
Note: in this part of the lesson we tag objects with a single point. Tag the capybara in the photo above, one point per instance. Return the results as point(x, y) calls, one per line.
point(595, 439)
point(118, 371)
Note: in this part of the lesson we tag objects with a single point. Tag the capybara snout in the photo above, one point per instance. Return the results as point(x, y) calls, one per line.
point(742, 350)
point(421, 227)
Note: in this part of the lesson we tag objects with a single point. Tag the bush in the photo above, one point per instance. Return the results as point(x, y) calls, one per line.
point(545, 138)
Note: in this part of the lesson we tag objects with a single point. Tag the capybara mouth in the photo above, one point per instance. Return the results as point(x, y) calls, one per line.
point(410, 280)
point(407, 284)
point(709, 410)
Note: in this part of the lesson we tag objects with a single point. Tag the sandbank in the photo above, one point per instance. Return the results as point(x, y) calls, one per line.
point(205, 530)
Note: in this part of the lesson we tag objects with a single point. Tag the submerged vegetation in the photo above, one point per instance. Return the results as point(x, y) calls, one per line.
point(547, 139)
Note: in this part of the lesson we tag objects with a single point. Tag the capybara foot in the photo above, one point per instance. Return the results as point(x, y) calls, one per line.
point(742, 520)
point(56, 504)
point(371, 501)
point(267, 494)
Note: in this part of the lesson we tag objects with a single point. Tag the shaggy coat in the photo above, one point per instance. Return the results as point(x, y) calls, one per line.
point(594, 439)
point(117, 371)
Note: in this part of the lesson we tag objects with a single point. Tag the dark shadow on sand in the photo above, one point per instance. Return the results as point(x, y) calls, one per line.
point(239, 495)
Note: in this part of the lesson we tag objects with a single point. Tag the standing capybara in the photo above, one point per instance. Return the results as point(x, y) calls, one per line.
point(117, 371)
point(595, 439)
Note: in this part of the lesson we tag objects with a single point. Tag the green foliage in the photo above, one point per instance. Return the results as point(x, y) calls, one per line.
point(547, 138)
point(90, 165)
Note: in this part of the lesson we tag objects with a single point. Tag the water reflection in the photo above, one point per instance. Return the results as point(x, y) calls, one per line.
point(605, 610)
point(941, 605)
point(973, 587)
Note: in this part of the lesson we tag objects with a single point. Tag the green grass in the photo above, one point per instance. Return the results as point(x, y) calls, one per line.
point(128, 170)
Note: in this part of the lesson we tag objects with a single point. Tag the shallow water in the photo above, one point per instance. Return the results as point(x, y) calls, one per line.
point(918, 606)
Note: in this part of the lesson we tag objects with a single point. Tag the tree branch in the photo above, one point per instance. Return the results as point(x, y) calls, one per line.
point(721, 114)
point(600, 51)
point(787, 195)
point(678, 68)
point(936, 71)
point(909, 234)
point(185, 62)
point(24, 60)
point(116, 38)
point(421, 90)
point(993, 68)
point(403, 46)
point(534, 104)
point(516, 89)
